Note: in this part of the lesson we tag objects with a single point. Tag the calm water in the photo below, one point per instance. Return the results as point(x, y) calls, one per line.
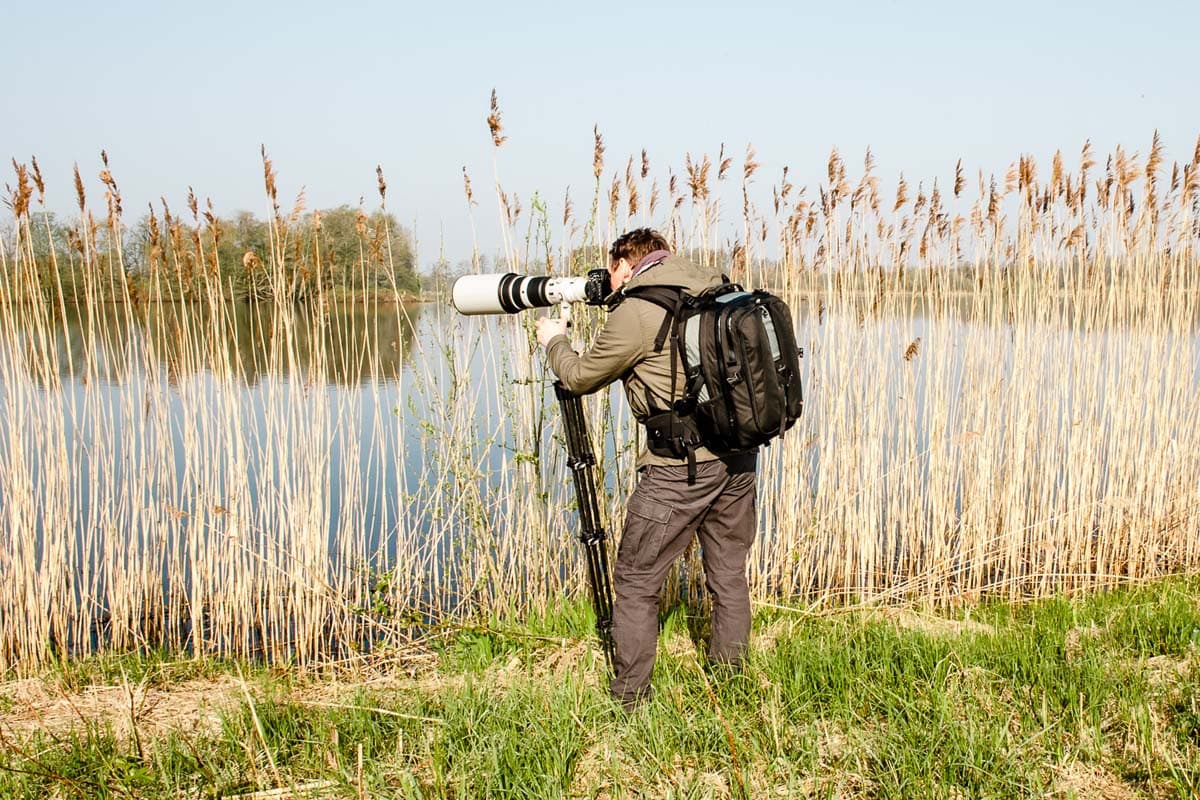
point(395, 371)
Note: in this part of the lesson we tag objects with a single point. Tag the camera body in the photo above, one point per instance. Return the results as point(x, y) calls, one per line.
point(597, 288)
point(509, 292)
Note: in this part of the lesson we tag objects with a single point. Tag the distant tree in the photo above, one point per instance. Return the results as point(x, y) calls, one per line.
point(165, 254)
point(360, 250)
point(442, 275)
point(241, 233)
point(135, 244)
point(51, 240)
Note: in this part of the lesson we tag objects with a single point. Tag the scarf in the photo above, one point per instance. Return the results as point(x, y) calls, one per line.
point(649, 261)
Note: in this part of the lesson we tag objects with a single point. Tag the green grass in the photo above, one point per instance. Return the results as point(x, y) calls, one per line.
point(153, 667)
point(1082, 697)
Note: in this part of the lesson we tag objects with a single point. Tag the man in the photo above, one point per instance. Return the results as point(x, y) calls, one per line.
point(667, 507)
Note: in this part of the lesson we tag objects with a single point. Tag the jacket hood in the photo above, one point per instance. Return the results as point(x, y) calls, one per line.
point(675, 270)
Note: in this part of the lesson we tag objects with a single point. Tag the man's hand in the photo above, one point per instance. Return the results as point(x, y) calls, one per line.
point(549, 327)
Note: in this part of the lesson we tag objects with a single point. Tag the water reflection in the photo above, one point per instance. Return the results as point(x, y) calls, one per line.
point(344, 343)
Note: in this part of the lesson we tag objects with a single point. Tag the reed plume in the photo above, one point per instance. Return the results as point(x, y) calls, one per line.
point(901, 194)
point(493, 122)
point(467, 188)
point(37, 181)
point(597, 152)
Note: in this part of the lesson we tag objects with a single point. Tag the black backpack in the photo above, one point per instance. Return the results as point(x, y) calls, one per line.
point(741, 385)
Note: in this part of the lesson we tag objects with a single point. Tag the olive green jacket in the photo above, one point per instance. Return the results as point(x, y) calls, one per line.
point(624, 348)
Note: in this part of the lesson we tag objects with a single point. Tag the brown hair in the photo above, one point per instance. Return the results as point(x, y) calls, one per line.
point(636, 244)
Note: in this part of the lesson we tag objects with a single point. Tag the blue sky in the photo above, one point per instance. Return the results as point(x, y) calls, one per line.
point(184, 95)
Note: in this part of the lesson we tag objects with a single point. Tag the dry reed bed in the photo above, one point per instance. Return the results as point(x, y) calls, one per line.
point(1002, 398)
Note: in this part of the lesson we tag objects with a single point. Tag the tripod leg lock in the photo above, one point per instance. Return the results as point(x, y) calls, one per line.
point(590, 538)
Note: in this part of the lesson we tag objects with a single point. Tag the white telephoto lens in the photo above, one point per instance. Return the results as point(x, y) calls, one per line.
point(509, 292)
point(566, 290)
point(477, 294)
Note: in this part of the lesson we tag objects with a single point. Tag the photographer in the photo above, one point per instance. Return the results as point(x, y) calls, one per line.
point(714, 497)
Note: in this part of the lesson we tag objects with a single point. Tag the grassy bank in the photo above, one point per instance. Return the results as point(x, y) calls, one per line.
point(1088, 697)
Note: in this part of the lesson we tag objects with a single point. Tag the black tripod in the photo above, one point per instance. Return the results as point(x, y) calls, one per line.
point(592, 534)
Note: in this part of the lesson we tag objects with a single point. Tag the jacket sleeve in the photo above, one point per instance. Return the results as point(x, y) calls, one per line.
point(617, 347)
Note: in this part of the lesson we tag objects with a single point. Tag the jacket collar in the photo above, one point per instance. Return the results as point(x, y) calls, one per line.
point(648, 261)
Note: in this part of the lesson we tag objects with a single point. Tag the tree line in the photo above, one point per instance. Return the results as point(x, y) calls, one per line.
point(166, 255)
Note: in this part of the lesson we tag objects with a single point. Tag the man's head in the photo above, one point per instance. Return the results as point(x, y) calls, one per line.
point(627, 252)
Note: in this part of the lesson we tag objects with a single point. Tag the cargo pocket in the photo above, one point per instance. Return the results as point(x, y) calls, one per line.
point(645, 532)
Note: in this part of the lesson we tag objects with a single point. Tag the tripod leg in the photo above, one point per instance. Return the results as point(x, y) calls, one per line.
point(592, 535)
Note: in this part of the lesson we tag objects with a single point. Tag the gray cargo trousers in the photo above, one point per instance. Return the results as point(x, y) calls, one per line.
point(662, 514)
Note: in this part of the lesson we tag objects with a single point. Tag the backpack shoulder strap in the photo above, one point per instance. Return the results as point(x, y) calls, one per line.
point(664, 296)
point(668, 298)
